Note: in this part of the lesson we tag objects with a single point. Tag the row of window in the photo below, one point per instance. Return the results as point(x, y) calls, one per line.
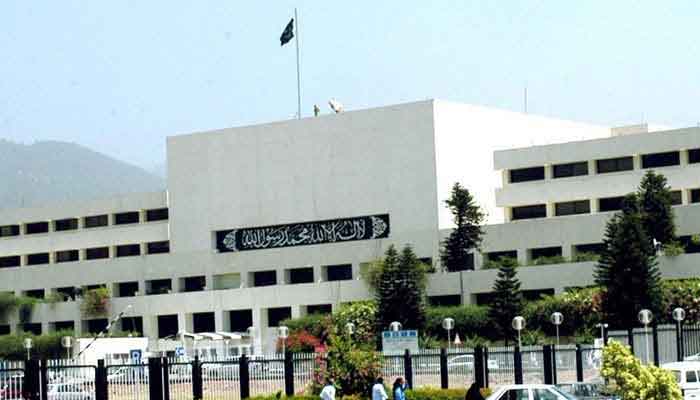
point(93, 221)
point(95, 253)
point(604, 166)
point(584, 206)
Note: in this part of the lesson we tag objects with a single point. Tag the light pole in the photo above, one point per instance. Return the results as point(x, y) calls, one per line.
point(28, 345)
point(251, 335)
point(518, 324)
point(283, 333)
point(448, 324)
point(350, 328)
point(679, 315)
point(603, 327)
point(645, 316)
point(395, 326)
point(67, 343)
point(557, 318)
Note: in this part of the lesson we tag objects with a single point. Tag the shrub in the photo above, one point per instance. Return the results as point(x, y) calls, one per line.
point(313, 324)
point(300, 342)
point(495, 264)
point(361, 313)
point(634, 380)
point(469, 320)
point(8, 304)
point(681, 293)
point(352, 365)
point(673, 249)
point(549, 260)
point(44, 346)
point(25, 307)
point(95, 302)
point(428, 393)
point(580, 308)
point(586, 256)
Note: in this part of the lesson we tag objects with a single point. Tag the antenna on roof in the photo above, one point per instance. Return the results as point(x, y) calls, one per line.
point(525, 101)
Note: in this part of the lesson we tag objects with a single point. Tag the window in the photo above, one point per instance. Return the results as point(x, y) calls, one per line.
point(277, 315)
point(10, 261)
point(128, 250)
point(515, 394)
point(572, 208)
point(67, 292)
point(194, 283)
point(319, 309)
point(544, 394)
point(68, 224)
point(497, 255)
point(592, 248)
point(264, 278)
point(158, 286)
point(131, 217)
point(614, 165)
point(241, 320)
point(36, 293)
point(37, 227)
point(610, 203)
point(203, 322)
point(132, 324)
point(34, 329)
point(38, 259)
point(95, 326)
point(571, 169)
point(158, 247)
point(526, 174)
point(691, 246)
point(529, 212)
point(691, 377)
point(227, 281)
point(9, 230)
point(676, 197)
point(545, 252)
point(128, 289)
point(4, 330)
point(97, 253)
point(694, 156)
point(167, 326)
point(339, 272)
point(96, 221)
point(63, 326)
point(159, 214)
point(657, 160)
point(67, 256)
point(536, 294)
point(301, 275)
point(446, 300)
point(695, 196)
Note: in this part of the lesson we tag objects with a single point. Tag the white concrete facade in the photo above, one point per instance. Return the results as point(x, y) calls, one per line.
point(398, 160)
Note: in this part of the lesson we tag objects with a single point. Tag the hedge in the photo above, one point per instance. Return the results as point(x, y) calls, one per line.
point(469, 320)
point(426, 393)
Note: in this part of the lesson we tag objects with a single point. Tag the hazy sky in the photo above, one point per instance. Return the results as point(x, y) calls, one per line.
point(120, 76)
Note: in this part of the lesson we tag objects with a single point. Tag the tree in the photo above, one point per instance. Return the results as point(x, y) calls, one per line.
point(507, 300)
point(467, 234)
point(627, 270)
point(399, 284)
point(655, 202)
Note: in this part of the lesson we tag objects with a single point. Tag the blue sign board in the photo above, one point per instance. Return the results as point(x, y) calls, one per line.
point(397, 342)
point(135, 356)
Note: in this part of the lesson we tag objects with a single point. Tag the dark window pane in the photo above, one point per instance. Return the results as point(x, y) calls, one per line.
point(160, 214)
point(241, 320)
point(67, 256)
point(195, 283)
point(545, 252)
point(34, 329)
point(38, 258)
point(527, 212)
point(676, 197)
point(319, 309)
point(96, 221)
point(695, 196)
point(10, 261)
point(68, 292)
point(67, 224)
point(158, 247)
point(536, 294)
point(264, 278)
point(128, 289)
point(158, 286)
point(132, 324)
point(614, 165)
point(301, 275)
point(526, 174)
point(95, 326)
point(9, 230)
point(610, 203)
point(167, 325)
point(694, 156)
point(127, 250)
point(690, 244)
point(496, 255)
point(571, 169)
point(97, 253)
point(594, 248)
point(37, 227)
point(36, 293)
point(447, 300)
point(203, 322)
point(4, 330)
point(64, 326)
point(131, 217)
point(339, 272)
point(276, 315)
point(661, 159)
point(572, 208)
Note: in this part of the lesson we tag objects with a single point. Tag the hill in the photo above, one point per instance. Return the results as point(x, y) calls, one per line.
point(46, 172)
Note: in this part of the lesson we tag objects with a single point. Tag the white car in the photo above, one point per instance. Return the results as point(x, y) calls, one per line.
point(530, 392)
point(687, 375)
point(69, 391)
point(467, 361)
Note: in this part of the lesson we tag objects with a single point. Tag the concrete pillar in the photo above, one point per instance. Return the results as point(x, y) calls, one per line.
point(684, 158)
point(45, 328)
point(478, 260)
point(637, 161)
point(507, 214)
point(591, 167)
point(548, 172)
point(523, 256)
point(222, 321)
point(356, 269)
point(142, 288)
point(567, 251)
point(260, 325)
point(504, 178)
point(318, 273)
point(559, 290)
point(142, 216)
point(150, 327)
point(184, 321)
point(594, 206)
point(685, 196)
point(297, 311)
point(550, 210)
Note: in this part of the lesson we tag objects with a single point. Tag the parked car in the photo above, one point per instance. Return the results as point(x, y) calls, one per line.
point(467, 361)
point(69, 391)
point(530, 392)
point(588, 390)
point(687, 375)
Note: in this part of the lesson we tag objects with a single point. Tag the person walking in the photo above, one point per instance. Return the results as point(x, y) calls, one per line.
point(378, 392)
point(399, 389)
point(474, 393)
point(328, 391)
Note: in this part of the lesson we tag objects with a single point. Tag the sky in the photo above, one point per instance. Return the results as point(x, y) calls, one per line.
point(121, 76)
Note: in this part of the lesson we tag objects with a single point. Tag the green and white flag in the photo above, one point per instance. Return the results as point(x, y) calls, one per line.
point(288, 33)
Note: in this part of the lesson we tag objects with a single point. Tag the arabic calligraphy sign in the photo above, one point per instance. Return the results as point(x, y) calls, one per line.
point(304, 233)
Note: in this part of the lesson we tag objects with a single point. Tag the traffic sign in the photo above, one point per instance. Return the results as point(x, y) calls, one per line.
point(396, 342)
point(135, 356)
point(179, 351)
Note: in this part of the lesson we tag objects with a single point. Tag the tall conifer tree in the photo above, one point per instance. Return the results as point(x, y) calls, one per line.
point(657, 216)
point(507, 300)
point(467, 234)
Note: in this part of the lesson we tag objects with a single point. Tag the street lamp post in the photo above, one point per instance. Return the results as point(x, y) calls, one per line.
point(645, 316)
point(67, 343)
point(283, 333)
point(603, 327)
point(28, 346)
point(395, 326)
point(251, 337)
point(448, 324)
point(518, 324)
point(350, 328)
point(679, 315)
point(557, 318)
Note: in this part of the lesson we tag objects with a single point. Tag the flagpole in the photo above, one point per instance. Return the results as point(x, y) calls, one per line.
point(296, 40)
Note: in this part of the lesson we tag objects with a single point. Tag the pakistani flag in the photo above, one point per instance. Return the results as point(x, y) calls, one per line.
point(288, 33)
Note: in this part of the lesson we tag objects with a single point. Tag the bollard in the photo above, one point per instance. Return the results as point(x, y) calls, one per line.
point(155, 381)
point(485, 364)
point(197, 384)
point(518, 365)
point(547, 364)
point(444, 379)
point(479, 366)
point(44, 384)
point(101, 381)
point(244, 376)
point(408, 368)
point(655, 343)
point(288, 374)
point(579, 363)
